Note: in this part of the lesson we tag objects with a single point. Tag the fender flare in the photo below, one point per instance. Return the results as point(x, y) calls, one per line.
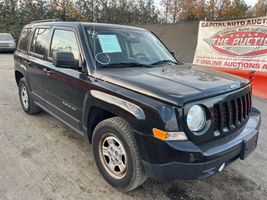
point(19, 67)
point(113, 104)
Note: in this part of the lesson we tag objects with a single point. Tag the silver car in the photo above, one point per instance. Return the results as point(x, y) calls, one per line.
point(7, 43)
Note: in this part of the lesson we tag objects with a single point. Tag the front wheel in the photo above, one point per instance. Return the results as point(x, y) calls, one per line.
point(116, 154)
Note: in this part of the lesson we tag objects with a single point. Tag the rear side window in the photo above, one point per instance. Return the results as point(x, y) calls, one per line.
point(65, 41)
point(40, 41)
point(24, 39)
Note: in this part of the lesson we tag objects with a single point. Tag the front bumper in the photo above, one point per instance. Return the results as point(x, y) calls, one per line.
point(185, 160)
point(7, 49)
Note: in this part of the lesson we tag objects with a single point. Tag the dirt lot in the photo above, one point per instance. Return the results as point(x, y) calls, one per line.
point(42, 159)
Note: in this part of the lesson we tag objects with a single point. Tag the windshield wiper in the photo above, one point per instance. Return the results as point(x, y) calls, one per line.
point(132, 64)
point(164, 61)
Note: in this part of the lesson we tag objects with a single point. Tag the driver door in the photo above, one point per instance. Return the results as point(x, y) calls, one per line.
point(64, 88)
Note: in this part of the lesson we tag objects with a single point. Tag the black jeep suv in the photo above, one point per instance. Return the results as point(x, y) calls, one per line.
point(145, 113)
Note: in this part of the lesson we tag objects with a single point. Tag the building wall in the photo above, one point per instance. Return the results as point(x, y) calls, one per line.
point(182, 38)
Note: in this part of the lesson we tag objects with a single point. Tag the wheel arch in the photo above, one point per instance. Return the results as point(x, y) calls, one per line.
point(18, 75)
point(99, 106)
point(95, 116)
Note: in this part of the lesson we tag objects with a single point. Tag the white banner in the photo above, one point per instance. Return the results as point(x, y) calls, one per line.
point(236, 44)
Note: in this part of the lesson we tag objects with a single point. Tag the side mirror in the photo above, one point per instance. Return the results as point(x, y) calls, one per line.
point(172, 53)
point(65, 60)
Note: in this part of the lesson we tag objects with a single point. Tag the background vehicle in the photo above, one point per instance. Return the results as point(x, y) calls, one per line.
point(7, 43)
point(145, 113)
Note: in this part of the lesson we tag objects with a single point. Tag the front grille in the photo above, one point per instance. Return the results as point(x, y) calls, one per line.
point(4, 45)
point(231, 114)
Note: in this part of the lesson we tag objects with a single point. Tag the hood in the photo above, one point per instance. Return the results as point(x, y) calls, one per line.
point(7, 41)
point(176, 84)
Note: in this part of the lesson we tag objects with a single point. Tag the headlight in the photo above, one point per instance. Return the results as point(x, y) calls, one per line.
point(196, 118)
point(11, 44)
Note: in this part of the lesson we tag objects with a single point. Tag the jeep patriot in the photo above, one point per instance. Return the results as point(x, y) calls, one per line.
point(145, 113)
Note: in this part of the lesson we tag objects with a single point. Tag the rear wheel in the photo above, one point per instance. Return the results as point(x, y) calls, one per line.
point(116, 154)
point(25, 99)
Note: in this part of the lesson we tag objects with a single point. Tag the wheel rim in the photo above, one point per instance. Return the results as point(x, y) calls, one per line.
point(113, 156)
point(24, 96)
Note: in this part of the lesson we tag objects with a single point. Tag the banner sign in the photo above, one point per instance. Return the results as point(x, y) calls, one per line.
point(236, 44)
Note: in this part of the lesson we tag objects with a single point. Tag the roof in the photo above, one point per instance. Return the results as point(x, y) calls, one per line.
point(76, 24)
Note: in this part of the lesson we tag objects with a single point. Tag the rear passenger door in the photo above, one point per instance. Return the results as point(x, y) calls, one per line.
point(36, 62)
point(65, 89)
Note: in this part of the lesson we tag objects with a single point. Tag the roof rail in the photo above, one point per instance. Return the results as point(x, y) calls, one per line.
point(46, 20)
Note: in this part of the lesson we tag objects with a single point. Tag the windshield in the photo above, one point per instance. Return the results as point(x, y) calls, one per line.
point(120, 47)
point(5, 37)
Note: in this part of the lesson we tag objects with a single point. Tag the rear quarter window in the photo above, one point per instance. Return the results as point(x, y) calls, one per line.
point(40, 41)
point(24, 39)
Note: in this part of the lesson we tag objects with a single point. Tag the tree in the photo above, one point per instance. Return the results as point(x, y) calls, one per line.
point(226, 9)
point(239, 9)
point(260, 8)
point(212, 9)
point(192, 9)
point(172, 9)
point(14, 14)
point(167, 6)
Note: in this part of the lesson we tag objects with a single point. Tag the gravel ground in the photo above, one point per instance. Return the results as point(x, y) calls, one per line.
point(42, 159)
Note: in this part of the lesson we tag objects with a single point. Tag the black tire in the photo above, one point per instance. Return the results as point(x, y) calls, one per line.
point(122, 131)
point(31, 108)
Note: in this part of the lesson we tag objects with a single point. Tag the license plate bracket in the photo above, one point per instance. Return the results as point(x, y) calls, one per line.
point(249, 145)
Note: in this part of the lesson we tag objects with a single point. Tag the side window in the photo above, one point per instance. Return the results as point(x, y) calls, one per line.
point(24, 39)
point(65, 41)
point(39, 41)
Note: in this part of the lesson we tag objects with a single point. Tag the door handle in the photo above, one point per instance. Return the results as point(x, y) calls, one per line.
point(47, 71)
point(27, 63)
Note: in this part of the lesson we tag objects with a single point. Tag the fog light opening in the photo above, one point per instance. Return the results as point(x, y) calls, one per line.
point(222, 167)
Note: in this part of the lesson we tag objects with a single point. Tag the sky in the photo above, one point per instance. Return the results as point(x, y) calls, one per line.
point(251, 2)
point(248, 2)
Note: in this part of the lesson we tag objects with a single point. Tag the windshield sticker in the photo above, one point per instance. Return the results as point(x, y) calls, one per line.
point(109, 44)
point(102, 58)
